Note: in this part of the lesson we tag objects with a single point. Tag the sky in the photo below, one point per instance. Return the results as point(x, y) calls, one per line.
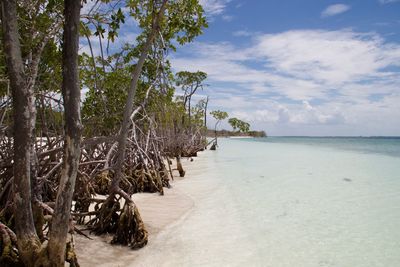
point(301, 67)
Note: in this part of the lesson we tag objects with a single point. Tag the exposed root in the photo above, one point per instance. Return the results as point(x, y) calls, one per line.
point(70, 256)
point(179, 167)
point(125, 223)
point(106, 220)
point(130, 231)
point(214, 146)
point(83, 195)
point(8, 247)
point(103, 181)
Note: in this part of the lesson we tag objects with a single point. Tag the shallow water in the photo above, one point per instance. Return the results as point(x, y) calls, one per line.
point(280, 203)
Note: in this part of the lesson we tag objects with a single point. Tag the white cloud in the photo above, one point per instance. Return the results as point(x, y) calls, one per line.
point(333, 10)
point(329, 82)
point(303, 113)
point(311, 115)
point(388, 1)
point(227, 18)
point(331, 57)
point(214, 7)
point(243, 33)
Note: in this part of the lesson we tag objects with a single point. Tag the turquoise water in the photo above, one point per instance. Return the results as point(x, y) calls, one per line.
point(288, 202)
point(378, 145)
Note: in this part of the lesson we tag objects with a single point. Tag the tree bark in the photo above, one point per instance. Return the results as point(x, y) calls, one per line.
point(205, 112)
point(73, 129)
point(179, 166)
point(23, 105)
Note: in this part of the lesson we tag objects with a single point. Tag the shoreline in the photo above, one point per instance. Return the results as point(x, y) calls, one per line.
point(158, 213)
point(250, 208)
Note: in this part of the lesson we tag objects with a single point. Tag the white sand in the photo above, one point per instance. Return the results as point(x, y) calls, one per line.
point(158, 212)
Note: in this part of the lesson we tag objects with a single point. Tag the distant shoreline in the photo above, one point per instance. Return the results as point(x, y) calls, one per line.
point(226, 133)
point(332, 136)
point(239, 137)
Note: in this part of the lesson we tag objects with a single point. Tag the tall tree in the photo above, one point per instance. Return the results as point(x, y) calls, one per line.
point(72, 139)
point(123, 134)
point(44, 168)
point(22, 69)
point(24, 120)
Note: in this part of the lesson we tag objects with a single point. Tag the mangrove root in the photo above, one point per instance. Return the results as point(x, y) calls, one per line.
point(126, 224)
point(8, 247)
point(213, 147)
point(130, 231)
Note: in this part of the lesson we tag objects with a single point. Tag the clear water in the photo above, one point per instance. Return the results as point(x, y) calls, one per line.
point(288, 202)
point(377, 145)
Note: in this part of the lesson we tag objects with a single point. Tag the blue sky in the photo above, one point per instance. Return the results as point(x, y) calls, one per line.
point(301, 67)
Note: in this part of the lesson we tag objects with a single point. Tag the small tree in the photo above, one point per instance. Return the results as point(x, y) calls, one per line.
point(239, 125)
point(190, 82)
point(218, 116)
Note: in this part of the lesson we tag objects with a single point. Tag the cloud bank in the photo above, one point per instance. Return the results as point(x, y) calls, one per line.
point(305, 81)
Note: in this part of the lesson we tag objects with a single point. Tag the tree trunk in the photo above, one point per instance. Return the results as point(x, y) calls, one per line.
point(216, 134)
point(106, 219)
point(205, 113)
point(189, 111)
point(22, 94)
point(179, 167)
point(73, 129)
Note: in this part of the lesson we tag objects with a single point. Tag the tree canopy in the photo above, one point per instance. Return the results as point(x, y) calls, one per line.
point(239, 125)
point(132, 125)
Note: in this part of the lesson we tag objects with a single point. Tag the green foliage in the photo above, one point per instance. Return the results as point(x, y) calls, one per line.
point(50, 71)
point(198, 113)
point(104, 103)
point(103, 106)
point(219, 115)
point(188, 79)
point(239, 125)
point(107, 79)
point(38, 22)
point(184, 20)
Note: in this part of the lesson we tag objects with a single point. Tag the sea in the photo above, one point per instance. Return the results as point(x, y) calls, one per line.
point(288, 201)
